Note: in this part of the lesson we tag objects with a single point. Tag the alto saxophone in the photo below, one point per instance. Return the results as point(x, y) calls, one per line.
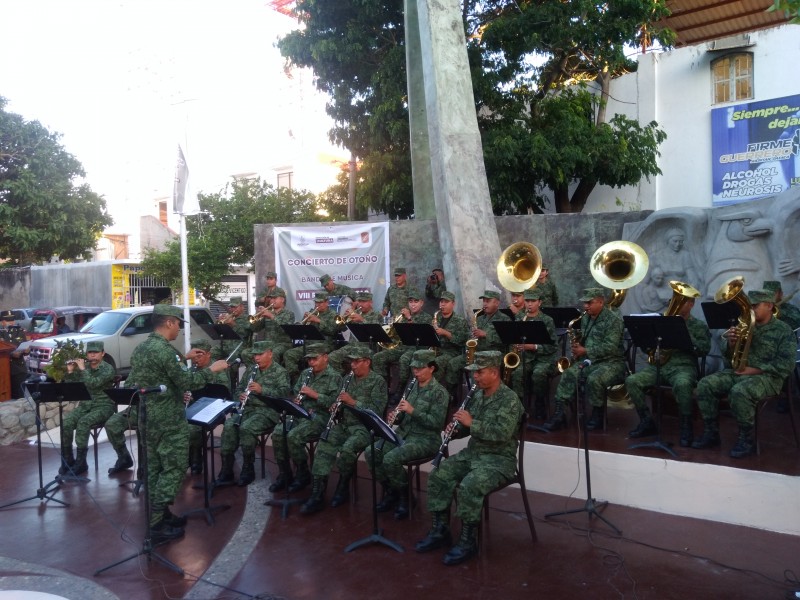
point(472, 343)
point(574, 336)
point(336, 407)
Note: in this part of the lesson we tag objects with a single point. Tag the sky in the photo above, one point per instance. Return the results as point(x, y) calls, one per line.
point(126, 81)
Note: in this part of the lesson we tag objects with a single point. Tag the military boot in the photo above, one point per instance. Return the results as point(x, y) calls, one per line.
point(744, 445)
point(67, 460)
point(284, 477)
point(710, 437)
point(596, 419)
point(389, 499)
point(558, 419)
point(173, 520)
point(316, 502)
point(124, 461)
point(81, 466)
point(402, 511)
point(225, 476)
point(196, 460)
point(439, 534)
point(539, 412)
point(467, 545)
point(687, 431)
point(163, 532)
point(248, 473)
point(301, 478)
point(342, 493)
point(646, 424)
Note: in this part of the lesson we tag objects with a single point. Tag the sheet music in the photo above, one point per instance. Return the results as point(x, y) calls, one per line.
point(212, 410)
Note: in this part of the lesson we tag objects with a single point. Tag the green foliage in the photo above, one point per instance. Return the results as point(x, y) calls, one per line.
point(791, 8)
point(222, 235)
point(528, 58)
point(66, 350)
point(44, 213)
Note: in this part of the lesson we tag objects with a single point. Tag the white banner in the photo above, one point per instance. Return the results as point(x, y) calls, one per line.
point(355, 255)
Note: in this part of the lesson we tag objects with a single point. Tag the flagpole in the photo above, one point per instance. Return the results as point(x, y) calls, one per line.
point(187, 328)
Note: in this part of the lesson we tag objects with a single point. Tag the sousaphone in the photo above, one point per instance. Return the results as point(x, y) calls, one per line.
point(519, 266)
point(619, 265)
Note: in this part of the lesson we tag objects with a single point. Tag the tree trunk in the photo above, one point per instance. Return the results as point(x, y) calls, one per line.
point(561, 196)
point(581, 194)
point(605, 85)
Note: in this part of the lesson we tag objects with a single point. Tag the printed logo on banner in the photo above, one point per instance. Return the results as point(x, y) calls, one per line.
point(365, 237)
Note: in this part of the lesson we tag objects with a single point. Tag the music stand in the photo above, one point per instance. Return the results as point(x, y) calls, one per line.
point(66, 391)
point(147, 545)
point(720, 316)
point(44, 492)
point(509, 313)
point(380, 428)
point(130, 396)
point(369, 333)
point(285, 407)
point(591, 506)
point(207, 412)
point(658, 333)
point(418, 335)
point(561, 315)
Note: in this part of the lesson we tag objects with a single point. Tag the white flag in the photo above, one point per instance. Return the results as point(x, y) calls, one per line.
point(181, 179)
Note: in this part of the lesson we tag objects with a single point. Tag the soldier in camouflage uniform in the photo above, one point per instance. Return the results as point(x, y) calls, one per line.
point(769, 363)
point(601, 343)
point(788, 313)
point(14, 334)
point(336, 289)
point(680, 371)
point(325, 321)
point(412, 313)
point(396, 298)
point(238, 319)
point(420, 416)
point(270, 321)
point(270, 284)
point(347, 438)
point(547, 288)
point(362, 313)
point(491, 419)
point(434, 288)
point(317, 388)
point(453, 331)
point(537, 361)
point(517, 306)
point(265, 378)
point(484, 332)
point(201, 355)
point(94, 412)
point(155, 362)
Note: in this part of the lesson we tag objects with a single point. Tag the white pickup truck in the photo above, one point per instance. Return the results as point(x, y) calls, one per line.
point(120, 330)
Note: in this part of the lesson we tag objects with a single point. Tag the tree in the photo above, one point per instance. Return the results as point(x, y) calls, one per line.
point(222, 234)
point(43, 211)
point(791, 8)
point(531, 62)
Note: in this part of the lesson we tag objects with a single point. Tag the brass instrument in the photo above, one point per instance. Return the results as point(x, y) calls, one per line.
point(448, 433)
point(336, 407)
point(389, 329)
point(681, 294)
point(619, 265)
point(225, 319)
point(731, 290)
point(313, 313)
point(510, 362)
point(519, 266)
point(472, 343)
point(435, 321)
point(344, 320)
point(240, 411)
point(574, 337)
point(259, 316)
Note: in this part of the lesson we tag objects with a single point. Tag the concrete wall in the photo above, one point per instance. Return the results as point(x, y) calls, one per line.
point(15, 286)
point(85, 284)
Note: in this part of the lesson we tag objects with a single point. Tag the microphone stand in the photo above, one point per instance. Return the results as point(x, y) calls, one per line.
point(592, 507)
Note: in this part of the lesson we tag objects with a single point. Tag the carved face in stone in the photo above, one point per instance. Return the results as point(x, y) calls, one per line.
point(657, 277)
point(675, 242)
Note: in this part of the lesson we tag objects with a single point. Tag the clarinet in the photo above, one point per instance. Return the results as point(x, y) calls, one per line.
point(392, 416)
point(299, 398)
point(336, 407)
point(448, 433)
point(238, 418)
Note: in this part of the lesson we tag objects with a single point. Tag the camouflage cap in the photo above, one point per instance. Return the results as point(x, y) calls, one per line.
point(399, 270)
point(490, 294)
point(201, 344)
point(448, 296)
point(591, 293)
point(488, 358)
point(321, 297)
point(7, 315)
point(517, 293)
point(277, 292)
point(363, 296)
point(272, 274)
point(95, 346)
point(314, 350)
point(545, 267)
point(168, 310)
point(235, 301)
point(414, 294)
point(532, 294)
point(756, 296)
point(261, 347)
point(358, 351)
point(422, 358)
point(772, 286)
point(323, 281)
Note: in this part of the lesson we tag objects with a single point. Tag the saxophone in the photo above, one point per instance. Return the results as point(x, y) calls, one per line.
point(472, 343)
point(731, 290)
point(574, 336)
point(336, 407)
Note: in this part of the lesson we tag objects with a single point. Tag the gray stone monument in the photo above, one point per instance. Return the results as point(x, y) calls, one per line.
point(447, 157)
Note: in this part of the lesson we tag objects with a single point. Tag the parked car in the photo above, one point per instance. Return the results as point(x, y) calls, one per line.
point(23, 316)
point(120, 330)
point(45, 321)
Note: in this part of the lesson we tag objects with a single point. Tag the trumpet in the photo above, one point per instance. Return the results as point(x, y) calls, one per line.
point(336, 407)
point(225, 319)
point(313, 313)
point(259, 316)
point(344, 320)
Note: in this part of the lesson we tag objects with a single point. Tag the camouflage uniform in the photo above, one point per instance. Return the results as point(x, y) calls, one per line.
point(155, 362)
point(492, 341)
point(602, 338)
point(396, 299)
point(790, 315)
point(349, 437)
point(342, 290)
point(450, 355)
point(327, 327)
point(489, 459)
point(240, 325)
point(680, 371)
point(337, 357)
point(548, 292)
point(384, 358)
point(419, 430)
point(89, 413)
point(274, 333)
point(538, 365)
point(120, 422)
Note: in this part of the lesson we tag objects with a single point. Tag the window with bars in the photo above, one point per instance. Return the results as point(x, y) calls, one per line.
point(732, 78)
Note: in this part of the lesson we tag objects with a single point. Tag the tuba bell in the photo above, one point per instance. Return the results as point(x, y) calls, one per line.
point(519, 266)
point(619, 265)
point(681, 294)
point(731, 291)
